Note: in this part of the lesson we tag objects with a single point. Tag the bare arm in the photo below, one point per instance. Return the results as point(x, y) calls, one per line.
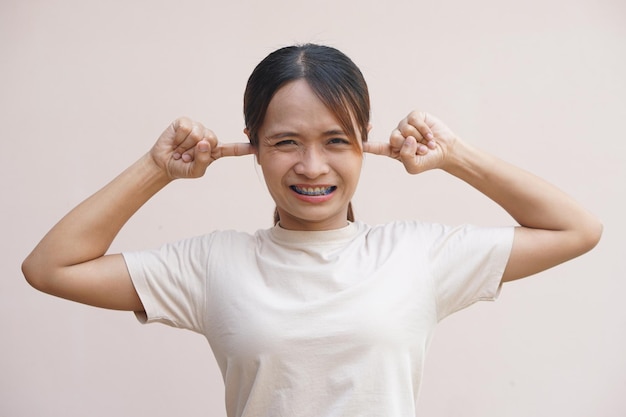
point(71, 261)
point(553, 227)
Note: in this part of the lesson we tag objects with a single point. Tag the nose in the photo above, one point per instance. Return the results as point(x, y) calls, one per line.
point(312, 163)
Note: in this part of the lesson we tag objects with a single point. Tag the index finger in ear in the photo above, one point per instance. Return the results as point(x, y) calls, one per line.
point(377, 148)
point(233, 149)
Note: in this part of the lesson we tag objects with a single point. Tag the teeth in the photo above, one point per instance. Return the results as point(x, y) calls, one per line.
point(313, 190)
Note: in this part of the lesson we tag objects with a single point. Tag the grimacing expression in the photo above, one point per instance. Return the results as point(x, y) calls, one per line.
point(310, 164)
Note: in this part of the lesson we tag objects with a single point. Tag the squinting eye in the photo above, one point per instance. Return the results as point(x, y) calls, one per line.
point(339, 141)
point(285, 142)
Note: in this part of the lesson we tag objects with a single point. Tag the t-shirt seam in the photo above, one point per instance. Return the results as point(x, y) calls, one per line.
point(206, 277)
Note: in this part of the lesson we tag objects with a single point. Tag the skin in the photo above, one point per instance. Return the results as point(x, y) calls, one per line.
point(553, 228)
point(300, 145)
point(303, 147)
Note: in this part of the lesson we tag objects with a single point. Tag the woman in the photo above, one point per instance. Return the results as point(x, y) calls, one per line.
point(319, 315)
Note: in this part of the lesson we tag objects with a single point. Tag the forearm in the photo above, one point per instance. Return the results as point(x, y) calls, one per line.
point(530, 200)
point(554, 228)
point(87, 231)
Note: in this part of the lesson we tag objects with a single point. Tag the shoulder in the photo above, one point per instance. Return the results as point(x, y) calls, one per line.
point(205, 242)
point(435, 234)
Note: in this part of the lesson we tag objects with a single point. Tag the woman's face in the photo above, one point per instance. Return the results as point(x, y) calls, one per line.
point(311, 167)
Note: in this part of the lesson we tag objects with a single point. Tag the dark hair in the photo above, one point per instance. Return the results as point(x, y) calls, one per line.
point(334, 78)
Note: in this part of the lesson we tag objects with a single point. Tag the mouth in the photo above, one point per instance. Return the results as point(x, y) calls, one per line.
point(313, 191)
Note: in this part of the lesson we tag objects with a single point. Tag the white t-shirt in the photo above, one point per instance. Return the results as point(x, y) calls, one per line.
point(321, 324)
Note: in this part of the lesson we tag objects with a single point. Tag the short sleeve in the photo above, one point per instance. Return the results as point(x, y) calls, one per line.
point(171, 282)
point(467, 264)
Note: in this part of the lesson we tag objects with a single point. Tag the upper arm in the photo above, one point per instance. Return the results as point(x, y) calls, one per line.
point(535, 250)
point(103, 282)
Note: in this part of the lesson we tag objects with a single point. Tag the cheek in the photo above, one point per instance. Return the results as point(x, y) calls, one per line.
point(274, 165)
point(350, 168)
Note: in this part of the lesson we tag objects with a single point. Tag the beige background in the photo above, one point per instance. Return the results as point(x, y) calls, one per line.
point(86, 87)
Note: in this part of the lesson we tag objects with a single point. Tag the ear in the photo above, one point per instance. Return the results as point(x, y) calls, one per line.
point(256, 148)
point(369, 128)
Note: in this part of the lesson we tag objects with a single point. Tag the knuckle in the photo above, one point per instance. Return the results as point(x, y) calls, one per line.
point(404, 130)
point(197, 130)
point(196, 133)
point(416, 118)
point(396, 141)
point(184, 125)
point(210, 135)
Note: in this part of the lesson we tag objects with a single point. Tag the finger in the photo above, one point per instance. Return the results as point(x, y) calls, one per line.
point(181, 126)
point(201, 158)
point(181, 129)
point(207, 142)
point(418, 121)
point(411, 149)
point(187, 134)
point(186, 148)
point(396, 140)
point(408, 151)
point(233, 149)
point(411, 153)
point(407, 129)
point(410, 131)
point(377, 148)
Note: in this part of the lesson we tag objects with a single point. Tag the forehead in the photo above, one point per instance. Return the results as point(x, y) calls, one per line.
point(296, 104)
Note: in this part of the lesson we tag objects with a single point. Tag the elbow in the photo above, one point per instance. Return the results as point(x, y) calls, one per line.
point(34, 274)
point(591, 235)
point(596, 235)
point(29, 273)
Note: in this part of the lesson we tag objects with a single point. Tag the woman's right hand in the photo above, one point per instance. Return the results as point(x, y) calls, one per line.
point(71, 261)
point(186, 148)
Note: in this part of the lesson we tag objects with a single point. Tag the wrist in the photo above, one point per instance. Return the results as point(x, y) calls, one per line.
point(150, 174)
point(465, 161)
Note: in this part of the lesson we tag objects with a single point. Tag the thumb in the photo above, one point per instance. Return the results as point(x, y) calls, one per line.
point(202, 158)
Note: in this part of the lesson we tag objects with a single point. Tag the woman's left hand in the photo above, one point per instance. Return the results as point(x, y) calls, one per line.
point(553, 228)
point(421, 142)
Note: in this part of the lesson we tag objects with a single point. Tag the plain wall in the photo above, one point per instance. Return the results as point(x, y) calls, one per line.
point(87, 86)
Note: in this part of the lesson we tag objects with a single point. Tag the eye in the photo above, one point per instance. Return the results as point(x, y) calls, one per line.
point(285, 142)
point(339, 141)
